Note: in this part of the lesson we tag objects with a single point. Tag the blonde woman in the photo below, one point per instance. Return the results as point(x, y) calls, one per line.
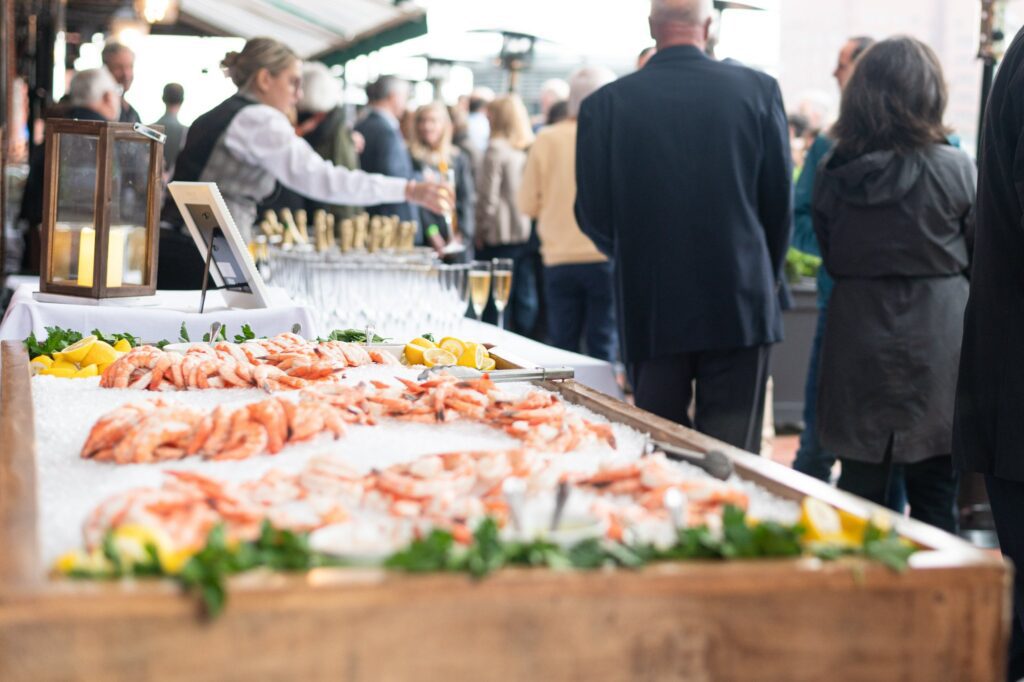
point(431, 147)
point(246, 145)
point(502, 230)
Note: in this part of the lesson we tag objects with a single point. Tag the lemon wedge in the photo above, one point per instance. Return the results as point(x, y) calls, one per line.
point(94, 562)
point(488, 364)
point(101, 353)
point(414, 350)
point(453, 345)
point(62, 369)
point(438, 357)
point(122, 346)
point(77, 351)
point(821, 521)
point(40, 362)
point(86, 371)
point(473, 356)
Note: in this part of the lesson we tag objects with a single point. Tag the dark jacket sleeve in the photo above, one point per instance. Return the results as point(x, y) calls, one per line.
point(593, 174)
point(803, 196)
point(821, 217)
point(775, 184)
point(465, 192)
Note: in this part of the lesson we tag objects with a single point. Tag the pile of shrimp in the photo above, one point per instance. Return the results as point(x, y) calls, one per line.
point(443, 490)
point(452, 491)
point(645, 481)
point(284, 362)
point(156, 430)
point(539, 418)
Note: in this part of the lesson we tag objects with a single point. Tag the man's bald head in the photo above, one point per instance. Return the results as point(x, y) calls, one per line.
point(680, 22)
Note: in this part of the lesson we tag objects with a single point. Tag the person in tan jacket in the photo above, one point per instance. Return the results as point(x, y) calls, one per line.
point(502, 230)
point(578, 285)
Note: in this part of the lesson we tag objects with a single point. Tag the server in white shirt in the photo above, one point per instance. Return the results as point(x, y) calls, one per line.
point(246, 144)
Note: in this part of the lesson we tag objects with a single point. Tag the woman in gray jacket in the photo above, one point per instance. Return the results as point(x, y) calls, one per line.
point(893, 212)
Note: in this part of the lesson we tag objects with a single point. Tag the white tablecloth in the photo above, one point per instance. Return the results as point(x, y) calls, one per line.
point(597, 374)
point(160, 318)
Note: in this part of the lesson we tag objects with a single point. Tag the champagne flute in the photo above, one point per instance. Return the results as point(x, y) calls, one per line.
point(501, 286)
point(479, 286)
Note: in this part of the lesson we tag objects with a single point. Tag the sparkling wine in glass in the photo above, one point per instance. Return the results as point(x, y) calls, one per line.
point(501, 286)
point(479, 286)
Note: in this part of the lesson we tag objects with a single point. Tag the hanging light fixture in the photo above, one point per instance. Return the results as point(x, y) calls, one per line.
point(126, 27)
point(157, 11)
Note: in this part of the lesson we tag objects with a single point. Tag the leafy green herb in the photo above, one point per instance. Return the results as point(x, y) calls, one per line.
point(206, 573)
point(57, 339)
point(183, 334)
point(429, 337)
point(114, 338)
point(352, 336)
point(162, 343)
point(247, 334)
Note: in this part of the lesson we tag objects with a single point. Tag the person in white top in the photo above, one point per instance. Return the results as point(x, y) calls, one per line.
point(247, 144)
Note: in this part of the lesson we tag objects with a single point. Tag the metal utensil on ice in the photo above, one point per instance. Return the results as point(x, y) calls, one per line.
point(498, 376)
point(514, 490)
point(716, 463)
point(561, 497)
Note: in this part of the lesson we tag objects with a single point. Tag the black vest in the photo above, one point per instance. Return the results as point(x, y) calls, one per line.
point(199, 143)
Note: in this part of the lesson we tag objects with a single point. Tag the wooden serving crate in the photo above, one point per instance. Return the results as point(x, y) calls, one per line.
point(946, 618)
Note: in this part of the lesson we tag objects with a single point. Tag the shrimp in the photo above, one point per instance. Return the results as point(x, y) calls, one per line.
point(172, 428)
point(111, 428)
point(272, 417)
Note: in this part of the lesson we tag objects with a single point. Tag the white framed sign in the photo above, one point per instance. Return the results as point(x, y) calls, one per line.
point(210, 223)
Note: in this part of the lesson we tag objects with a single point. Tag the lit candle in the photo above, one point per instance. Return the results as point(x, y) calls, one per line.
point(115, 257)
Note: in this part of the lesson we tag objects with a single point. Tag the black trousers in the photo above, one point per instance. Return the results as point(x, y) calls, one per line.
point(930, 485)
point(1007, 500)
point(730, 394)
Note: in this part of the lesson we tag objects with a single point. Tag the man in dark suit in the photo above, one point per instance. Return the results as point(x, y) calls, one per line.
point(988, 423)
point(683, 179)
point(385, 151)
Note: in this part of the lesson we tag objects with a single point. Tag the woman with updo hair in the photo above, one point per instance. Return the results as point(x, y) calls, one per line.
point(246, 145)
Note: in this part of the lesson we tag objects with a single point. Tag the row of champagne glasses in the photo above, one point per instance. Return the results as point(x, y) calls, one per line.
point(402, 297)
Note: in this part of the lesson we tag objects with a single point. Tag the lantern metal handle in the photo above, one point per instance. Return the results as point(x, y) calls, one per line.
point(152, 134)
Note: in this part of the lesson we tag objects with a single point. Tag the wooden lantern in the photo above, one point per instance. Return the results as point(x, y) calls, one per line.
point(101, 197)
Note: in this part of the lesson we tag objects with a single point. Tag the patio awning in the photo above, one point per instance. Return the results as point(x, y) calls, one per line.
point(335, 30)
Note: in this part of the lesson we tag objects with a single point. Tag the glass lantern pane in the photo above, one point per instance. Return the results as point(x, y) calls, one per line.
point(129, 206)
point(74, 224)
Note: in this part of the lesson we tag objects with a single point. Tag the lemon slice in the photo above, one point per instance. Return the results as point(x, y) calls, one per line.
point(86, 372)
point(453, 345)
point(423, 343)
point(101, 353)
point(438, 357)
point(821, 520)
point(473, 356)
point(122, 346)
point(60, 368)
point(77, 351)
point(40, 362)
point(488, 365)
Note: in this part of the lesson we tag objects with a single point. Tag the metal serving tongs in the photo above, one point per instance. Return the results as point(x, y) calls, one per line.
point(715, 462)
point(502, 375)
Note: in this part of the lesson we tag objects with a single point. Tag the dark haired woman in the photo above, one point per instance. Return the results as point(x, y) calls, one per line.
point(893, 211)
